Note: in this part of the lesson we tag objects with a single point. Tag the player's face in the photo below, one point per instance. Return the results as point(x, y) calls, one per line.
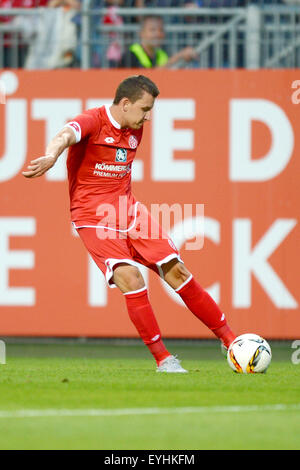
point(139, 112)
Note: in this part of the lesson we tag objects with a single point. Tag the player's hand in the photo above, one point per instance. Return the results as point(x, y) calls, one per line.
point(39, 166)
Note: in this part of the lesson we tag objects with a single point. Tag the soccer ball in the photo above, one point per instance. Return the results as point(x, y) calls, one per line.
point(249, 354)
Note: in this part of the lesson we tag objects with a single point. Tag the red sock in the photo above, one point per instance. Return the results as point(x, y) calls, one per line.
point(142, 316)
point(158, 351)
point(201, 304)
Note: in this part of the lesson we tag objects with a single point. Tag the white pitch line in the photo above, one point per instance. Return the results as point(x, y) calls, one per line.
point(45, 413)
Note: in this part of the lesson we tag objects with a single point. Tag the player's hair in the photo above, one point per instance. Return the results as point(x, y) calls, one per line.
point(134, 87)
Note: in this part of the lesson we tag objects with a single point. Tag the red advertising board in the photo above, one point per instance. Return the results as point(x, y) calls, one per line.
point(226, 139)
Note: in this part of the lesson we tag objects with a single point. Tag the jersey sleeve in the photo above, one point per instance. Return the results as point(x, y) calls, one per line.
point(83, 126)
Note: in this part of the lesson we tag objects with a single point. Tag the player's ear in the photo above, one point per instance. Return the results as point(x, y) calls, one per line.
point(125, 104)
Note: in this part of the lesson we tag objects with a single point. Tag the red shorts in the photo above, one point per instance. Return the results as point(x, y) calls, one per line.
point(109, 247)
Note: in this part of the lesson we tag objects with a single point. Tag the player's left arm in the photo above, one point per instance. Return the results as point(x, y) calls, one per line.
point(55, 148)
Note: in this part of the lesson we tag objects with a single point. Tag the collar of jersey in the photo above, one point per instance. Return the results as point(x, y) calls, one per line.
point(112, 120)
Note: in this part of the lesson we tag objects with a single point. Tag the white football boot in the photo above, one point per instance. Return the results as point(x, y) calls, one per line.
point(224, 350)
point(171, 364)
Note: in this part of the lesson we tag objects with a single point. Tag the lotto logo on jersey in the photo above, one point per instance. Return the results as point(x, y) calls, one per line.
point(132, 142)
point(121, 155)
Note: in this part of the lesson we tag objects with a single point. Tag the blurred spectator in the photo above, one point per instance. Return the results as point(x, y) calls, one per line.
point(114, 49)
point(147, 53)
point(56, 38)
point(26, 24)
point(108, 46)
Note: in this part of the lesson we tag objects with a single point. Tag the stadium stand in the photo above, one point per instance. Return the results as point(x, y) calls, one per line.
point(55, 41)
point(99, 34)
point(15, 30)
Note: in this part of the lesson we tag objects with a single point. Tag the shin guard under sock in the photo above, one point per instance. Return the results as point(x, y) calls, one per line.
point(142, 316)
point(202, 305)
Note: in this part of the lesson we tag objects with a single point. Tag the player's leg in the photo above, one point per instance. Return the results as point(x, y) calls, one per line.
point(128, 278)
point(131, 283)
point(198, 301)
point(114, 259)
point(161, 254)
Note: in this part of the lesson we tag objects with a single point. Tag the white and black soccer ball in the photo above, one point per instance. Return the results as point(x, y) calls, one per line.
point(249, 354)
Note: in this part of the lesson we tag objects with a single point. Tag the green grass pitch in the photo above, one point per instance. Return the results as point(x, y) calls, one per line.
point(107, 395)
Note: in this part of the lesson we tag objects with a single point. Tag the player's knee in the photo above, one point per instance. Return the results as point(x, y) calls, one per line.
point(176, 269)
point(128, 278)
point(175, 273)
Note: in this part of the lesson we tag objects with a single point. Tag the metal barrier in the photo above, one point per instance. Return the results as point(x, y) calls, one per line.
point(280, 37)
point(249, 37)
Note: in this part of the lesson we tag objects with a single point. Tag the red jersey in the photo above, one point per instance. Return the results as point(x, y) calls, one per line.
point(99, 169)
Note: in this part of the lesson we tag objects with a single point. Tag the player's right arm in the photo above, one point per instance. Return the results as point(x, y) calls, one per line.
point(58, 144)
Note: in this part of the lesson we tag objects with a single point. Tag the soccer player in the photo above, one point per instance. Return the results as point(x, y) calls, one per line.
point(116, 229)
